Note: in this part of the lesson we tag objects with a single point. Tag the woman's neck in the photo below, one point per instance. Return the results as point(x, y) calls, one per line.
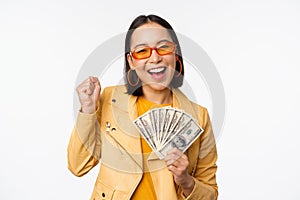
point(158, 96)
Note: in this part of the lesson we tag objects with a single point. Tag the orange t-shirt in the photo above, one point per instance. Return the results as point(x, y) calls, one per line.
point(145, 189)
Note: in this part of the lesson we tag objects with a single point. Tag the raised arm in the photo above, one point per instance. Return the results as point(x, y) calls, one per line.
point(85, 143)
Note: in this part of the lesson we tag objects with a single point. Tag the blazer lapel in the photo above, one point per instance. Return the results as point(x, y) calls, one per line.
point(122, 132)
point(182, 102)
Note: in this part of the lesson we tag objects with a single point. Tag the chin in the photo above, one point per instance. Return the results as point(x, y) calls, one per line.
point(158, 86)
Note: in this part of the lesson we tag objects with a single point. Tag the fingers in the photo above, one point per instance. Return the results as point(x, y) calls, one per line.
point(97, 92)
point(89, 86)
point(88, 93)
point(177, 164)
point(173, 156)
point(93, 79)
point(176, 161)
point(177, 172)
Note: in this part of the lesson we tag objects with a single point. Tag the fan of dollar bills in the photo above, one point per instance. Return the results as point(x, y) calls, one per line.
point(165, 128)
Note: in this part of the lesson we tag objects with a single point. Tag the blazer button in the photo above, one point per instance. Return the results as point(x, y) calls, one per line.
point(103, 195)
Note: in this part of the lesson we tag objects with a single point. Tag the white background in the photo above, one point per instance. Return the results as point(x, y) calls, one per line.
point(254, 44)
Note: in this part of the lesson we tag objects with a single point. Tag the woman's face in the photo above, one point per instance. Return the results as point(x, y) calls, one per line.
point(155, 72)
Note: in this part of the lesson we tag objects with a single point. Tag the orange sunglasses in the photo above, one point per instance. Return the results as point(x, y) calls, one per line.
point(162, 49)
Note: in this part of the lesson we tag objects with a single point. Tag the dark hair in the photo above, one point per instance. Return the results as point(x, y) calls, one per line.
point(177, 80)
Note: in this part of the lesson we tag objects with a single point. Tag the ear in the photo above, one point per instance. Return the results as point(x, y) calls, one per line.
point(130, 61)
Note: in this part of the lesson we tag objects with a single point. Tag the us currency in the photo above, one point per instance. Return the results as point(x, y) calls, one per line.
point(166, 128)
point(146, 120)
point(161, 122)
point(173, 122)
point(154, 119)
point(175, 119)
point(139, 125)
point(183, 120)
point(184, 138)
point(168, 119)
point(157, 117)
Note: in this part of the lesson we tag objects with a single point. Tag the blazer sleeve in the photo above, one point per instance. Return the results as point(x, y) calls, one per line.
point(84, 148)
point(205, 172)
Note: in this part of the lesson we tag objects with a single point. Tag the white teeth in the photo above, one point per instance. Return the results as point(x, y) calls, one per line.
point(157, 70)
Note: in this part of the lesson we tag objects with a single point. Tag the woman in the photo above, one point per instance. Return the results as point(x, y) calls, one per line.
point(104, 130)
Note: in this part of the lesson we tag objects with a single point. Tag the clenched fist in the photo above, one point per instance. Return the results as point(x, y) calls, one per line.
point(88, 92)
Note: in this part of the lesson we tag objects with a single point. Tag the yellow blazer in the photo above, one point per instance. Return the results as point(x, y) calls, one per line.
point(109, 137)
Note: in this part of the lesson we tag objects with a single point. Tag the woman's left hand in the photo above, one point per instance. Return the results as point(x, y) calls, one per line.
point(177, 163)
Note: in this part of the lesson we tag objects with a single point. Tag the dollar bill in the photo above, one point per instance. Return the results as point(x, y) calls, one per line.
point(169, 113)
point(176, 117)
point(154, 120)
point(161, 121)
point(183, 120)
point(184, 138)
point(139, 125)
point(147, 122)
point(177, 114)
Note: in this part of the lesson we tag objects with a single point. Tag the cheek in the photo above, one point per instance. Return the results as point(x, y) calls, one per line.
point(140, 69)
point(138, 64)
point(172, 62)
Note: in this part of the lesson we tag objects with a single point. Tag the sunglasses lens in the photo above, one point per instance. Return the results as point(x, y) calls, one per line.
point(165, 49)
point(142, 53)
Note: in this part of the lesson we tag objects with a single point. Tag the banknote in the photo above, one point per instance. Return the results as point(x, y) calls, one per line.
point(139, 125)
point(184, 138)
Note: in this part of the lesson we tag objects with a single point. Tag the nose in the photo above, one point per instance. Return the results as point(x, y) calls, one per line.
point(155, 57)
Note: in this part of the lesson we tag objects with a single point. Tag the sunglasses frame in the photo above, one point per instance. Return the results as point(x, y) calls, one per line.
point(153, 48)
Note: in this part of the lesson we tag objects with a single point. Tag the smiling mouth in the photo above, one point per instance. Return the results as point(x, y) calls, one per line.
point(159, 70)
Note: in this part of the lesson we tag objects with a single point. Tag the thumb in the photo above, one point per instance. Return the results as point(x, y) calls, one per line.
point(97, 93)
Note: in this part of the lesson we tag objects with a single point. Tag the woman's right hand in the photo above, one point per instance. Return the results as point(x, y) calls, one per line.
point(88, 92)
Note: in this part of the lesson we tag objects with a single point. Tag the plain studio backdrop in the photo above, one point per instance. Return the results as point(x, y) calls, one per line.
point(254, 45)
